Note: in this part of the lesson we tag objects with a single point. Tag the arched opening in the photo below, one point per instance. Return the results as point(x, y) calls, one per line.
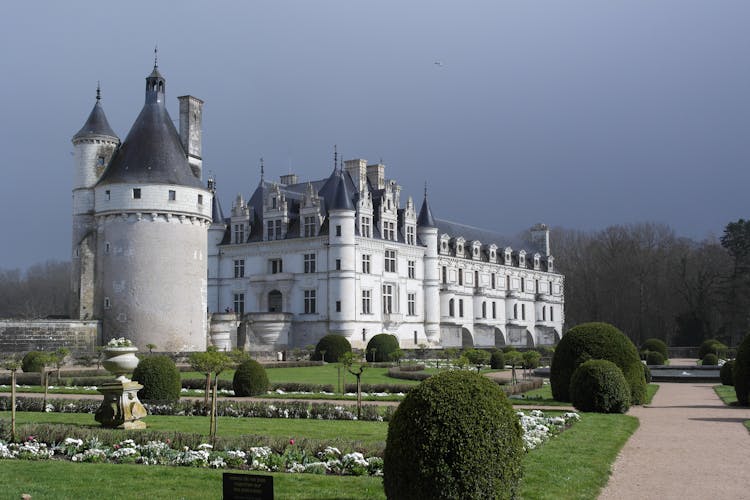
point(557, 337)
point(274, 301)
point(529, 339)
point(467, 341)
point(499, 338)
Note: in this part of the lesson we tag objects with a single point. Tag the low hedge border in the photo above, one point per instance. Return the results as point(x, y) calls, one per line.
point(397, 372)
point(520, 387)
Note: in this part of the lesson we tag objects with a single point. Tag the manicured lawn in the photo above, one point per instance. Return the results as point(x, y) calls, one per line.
point(543, 396)
point(366, 432)
point(729, 396)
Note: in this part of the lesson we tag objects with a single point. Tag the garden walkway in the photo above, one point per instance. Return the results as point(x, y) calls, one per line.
point(689, 445)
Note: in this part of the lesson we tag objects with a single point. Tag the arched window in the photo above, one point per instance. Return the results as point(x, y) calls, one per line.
point(451, 308)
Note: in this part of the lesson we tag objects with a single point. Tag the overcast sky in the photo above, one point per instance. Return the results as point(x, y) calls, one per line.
point(579, 114)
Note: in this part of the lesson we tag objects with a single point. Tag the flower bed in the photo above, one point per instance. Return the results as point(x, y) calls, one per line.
point(538, 428)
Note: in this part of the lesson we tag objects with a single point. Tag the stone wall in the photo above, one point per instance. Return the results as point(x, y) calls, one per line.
point(47, 335)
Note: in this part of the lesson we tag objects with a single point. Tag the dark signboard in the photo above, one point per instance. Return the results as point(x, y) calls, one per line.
point(247, 487)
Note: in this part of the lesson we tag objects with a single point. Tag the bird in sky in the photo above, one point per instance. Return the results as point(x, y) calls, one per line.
point(439, 63)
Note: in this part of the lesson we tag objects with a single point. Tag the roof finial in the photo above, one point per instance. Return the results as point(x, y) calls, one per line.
point(262, 170)
point(335, 157)
point(425, 190)
point(156, 56)
point(98, 91)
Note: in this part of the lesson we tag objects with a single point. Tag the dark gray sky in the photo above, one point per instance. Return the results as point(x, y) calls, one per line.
point(578, 113)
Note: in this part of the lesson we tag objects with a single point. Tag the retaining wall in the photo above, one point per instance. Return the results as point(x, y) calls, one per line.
point(18, 336)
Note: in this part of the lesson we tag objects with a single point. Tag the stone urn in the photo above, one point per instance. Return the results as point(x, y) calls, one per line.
point(120, 361)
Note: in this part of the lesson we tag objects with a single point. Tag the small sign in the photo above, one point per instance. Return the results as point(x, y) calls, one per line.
point(247, 487)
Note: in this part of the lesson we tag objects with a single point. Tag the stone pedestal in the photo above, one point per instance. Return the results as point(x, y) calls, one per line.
point(121, 408)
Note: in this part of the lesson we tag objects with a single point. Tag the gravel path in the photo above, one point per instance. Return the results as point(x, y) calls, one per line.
point(689, 446)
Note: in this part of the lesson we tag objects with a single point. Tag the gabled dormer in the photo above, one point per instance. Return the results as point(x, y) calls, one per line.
point(522, 258)
point(460, 246)
point(476, 250)
point(309, 213)
point(240, 221)
point(550, 264)
point(445, 244)
point(275, 214)
point(410, 222)
point(508, 256)
point(537, 262)
point(492, 253)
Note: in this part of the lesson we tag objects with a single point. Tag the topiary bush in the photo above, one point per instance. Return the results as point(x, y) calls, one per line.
point(334, 346)
point(250, 379)
point(598, 385)
point(646, 373)
point(497, 360)
point(33, 361)
point(742, 372)
point(654, 358)
point(710, 359)
point(596, 341)
point(384, 344)
point(727, 373)
point(160, 379)
point(656, 345)
point(712, 346)
point(455, 435)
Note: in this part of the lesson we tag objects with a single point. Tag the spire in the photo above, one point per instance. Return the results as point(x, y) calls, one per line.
point(156, 56)
point(217, 214)
point(425, 218)
point(97, 123)
point(335, 158)
point(155, 84)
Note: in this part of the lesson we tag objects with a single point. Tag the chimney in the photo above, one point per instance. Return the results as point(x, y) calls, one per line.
point(540, 238)
point(376, 175)
point(288, 179)
point(358, 171)
point(191, 118)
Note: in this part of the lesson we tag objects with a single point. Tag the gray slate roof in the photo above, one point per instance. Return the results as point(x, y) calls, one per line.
point(96, 124)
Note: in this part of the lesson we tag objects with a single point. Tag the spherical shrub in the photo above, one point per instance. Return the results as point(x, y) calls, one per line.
point(654, 358)
point(596, 341)
point(646, 373)
point(742, 372)
point(598, 385)
point(160, 379)
point(656, 345)
point(710, 359)
point(727, 373)
point(33, 361)
point(384, 344)
point(497, 360)
point(250, 379)
point(712, 346)
point(454, 436)
point(334, 346)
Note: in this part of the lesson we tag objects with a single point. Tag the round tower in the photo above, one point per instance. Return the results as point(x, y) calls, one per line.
point(428, 233)
point(152, 219)
point(93, 147)
point(341, 258)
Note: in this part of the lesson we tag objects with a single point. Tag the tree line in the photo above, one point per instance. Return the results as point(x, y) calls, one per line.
point(649, 282)
point(42, 291)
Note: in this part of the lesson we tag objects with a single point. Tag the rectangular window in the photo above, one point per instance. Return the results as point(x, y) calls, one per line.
point(550, 288)
point(445, 274)
point(309, 301)
point(172, 195)
point(107, 303)
point(460, 276)
point(136, 193)
point(412, 304)
point(492, 280)
point(338, 230)
point(412, 269)
point(366, 301)
point(338, 306)
point(269, 230)
point(366, 231)
point(239, 303)
point(106, 248)
point(107, 195)
point(273, 202)
point(476, 279)
point(461, 308)
point(310, 227)
point(239, 268)
point(410, 239)
point(309, 260)
point(551, 313)
point(494, 310)
point(390, 261)
point(200, 199)
point(239, 233)
point(275, 266)
point(523, 311)
point(277, 225)
point(544, 313)
point(451, 308)
point(366, 264)
point(523, 283)
point(100, 162)
point(387, 299)
point(338, 264)
point(273, 230)
point(536, 285)
point(391, 231)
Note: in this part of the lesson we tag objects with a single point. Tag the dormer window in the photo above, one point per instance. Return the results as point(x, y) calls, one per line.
point(522, 259)
point(536, 261)
point(507, 256)
point(550, 264)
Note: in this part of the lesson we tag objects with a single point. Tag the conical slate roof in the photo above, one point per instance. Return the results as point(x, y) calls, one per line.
point(96, 124)
point(152, 152)
point(425, 218)
point(336, 192)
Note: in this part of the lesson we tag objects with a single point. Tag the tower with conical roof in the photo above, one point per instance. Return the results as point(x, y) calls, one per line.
point(93, 146)
point(152, 218)
point(427, 231)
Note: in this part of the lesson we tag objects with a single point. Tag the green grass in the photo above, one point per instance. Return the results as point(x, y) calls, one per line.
point(66, 480)
point(577, 463)
point(543, 396)
point(729, 397)
point(366, 432)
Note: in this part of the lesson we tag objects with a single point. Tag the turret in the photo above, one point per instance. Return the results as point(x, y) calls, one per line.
point(428, 234)
point(341, 255)
point(216, 232)
point(93, 146)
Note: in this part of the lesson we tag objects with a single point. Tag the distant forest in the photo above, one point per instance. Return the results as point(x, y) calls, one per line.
point(641, 277)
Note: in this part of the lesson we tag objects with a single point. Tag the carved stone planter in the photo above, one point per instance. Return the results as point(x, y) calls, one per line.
point(121, 407)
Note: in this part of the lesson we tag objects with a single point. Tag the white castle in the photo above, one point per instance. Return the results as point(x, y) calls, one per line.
point(156, 260)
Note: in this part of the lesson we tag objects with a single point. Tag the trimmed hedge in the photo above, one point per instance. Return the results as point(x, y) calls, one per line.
point(384, 344)
point(656, 345)
point(599, 386)
point(408, 375)
point(455, 435)
point(727, 373)
point(710, 359)
point(160, 379)
point(654, 358)
point(712, 346)
point(334, 346)
point(32, 362)
point(596, 341)
point(497, 360)
point(250, 379)
point(646, 373)
point(742, 372)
